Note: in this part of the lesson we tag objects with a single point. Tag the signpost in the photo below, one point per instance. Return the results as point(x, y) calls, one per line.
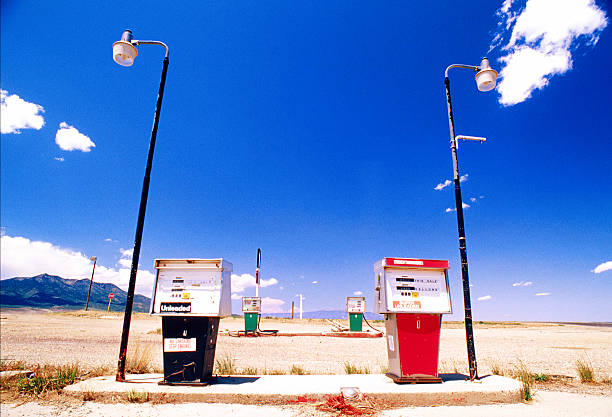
point(110, 298)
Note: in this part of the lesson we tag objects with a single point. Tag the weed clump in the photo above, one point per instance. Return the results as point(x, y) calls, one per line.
point(139, 360)
point(297, 370)
point(48, 379)
point(349, 368)
point(225, 366)
point(526, 378)
point(585, 370)
point(135, 396)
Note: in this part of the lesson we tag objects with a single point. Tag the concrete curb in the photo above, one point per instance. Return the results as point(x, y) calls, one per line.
point(283, 389)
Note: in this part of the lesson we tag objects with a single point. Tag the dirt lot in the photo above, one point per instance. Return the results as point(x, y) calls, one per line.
point(92, 340)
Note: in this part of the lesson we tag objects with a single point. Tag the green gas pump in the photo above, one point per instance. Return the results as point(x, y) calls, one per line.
point(355, 307)
point(251, 307)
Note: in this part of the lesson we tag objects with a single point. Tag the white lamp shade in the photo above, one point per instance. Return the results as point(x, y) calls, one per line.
point(124, 53)
point(486, 79)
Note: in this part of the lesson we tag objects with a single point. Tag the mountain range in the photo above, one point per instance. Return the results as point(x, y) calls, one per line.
point(49, 291)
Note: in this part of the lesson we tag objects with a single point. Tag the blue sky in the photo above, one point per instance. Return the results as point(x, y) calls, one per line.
point(316, 131)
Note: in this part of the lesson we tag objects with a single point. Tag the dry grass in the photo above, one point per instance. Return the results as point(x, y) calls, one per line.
point(585, 370)
point(297, 370)
point(249, 371)
point(497, 369)
point(139, 359)
point(526, 378)
point(135, 396)
point(226, 366)
point(349, 368)
point(274, 372)
point(42, 379)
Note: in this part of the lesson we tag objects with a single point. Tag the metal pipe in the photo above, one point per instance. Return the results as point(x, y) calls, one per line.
point(95, 259)
point(140, 224)
point(467, 305)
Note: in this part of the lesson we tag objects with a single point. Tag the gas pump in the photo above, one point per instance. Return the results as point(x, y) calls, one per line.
point(355, 307)
point(190, 295)
point(251, 307)
point(412, 294)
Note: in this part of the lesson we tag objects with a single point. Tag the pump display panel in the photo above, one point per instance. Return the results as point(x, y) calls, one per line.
point(251, 304)
point(355, 304)
point(196, 287)
point(411, 286)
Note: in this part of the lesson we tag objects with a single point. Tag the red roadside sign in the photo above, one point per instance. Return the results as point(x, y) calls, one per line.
point(111, 295)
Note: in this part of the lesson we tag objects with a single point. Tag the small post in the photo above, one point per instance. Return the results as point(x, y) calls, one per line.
point(292, 310)
point(110, 298)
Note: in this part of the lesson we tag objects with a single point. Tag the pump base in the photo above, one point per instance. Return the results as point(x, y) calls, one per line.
point(414, 379)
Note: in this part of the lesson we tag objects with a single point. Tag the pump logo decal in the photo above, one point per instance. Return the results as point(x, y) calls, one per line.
point(175, 308)
point(406, 305)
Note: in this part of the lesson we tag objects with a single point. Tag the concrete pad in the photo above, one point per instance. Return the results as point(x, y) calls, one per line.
point(282, 389)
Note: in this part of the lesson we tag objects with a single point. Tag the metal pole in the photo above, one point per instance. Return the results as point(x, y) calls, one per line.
point(257, 272)
point(301, 310)
point(139, 226)
point(95, 259)
point(469, 331)
point(292, 310)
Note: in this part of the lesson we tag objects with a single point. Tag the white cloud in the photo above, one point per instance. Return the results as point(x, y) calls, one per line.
point(443, 185)
point(472, 199)
point(22, 257)
point(542, 37)
point(59, 158)
point(19, 114)
point(315, 282)
point(244, 281)
point(69, 138)
point(484, 298)
point(606, 266)
point(357, 293)
point(126, 258)
point(271, 305)
point(522, 284)
point(542, 294)
point(446, 183)
point(464, 205)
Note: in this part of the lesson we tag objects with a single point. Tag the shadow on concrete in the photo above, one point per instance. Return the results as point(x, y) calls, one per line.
point(233, 380)
point(453, 377)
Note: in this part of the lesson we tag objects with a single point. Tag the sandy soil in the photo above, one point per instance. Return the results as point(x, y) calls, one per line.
point(92, 340)
point(549, 404)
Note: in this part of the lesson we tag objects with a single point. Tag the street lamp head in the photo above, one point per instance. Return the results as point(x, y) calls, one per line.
point(486, 76)
point(93, 258)
point(124, 51)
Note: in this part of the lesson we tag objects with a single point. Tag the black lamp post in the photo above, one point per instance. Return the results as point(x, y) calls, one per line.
point(485, 79)
point(124, 52)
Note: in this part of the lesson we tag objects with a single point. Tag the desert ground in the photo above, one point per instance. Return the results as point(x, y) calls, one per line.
point(91, 339)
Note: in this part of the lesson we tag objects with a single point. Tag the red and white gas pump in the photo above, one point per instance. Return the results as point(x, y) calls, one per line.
point(412, 294)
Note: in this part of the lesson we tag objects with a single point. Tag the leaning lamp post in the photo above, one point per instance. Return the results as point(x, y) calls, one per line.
point(124, 53)
point(485, 80)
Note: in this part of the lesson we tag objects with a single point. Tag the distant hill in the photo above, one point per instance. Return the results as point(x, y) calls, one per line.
point(47, 291)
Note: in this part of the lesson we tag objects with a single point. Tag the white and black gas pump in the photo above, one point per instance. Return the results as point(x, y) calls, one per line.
point(190, 295)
